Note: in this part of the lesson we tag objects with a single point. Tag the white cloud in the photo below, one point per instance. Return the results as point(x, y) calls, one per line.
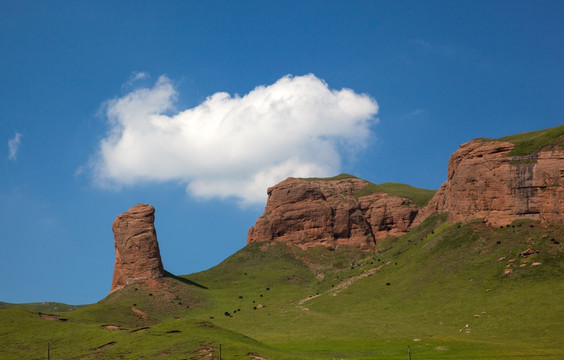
point(14, 145)
point(232, 146)
point(138, 75)
point(134, 78)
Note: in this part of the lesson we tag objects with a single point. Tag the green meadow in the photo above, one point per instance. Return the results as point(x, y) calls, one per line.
point(443, 291)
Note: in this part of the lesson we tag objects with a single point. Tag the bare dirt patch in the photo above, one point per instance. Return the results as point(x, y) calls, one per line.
point(113, 327)
point(256, 357)
point(51, 317)
point(206, 352)
point(140, 313)
point(348, 282)
point(302, 301)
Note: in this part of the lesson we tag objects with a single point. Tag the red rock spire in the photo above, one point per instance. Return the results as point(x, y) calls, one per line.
point(137, 250)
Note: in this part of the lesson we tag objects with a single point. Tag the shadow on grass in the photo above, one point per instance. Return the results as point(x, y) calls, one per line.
point(184, 280)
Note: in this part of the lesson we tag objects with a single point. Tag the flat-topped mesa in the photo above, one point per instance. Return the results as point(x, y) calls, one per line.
point(137, 250)
point(331, 212)
point(486, 181)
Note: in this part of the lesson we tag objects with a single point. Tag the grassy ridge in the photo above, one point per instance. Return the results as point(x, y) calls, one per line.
point(43, 306)
point(337, 177)
point(535, 141)
point(419, 196)
point(441, 290)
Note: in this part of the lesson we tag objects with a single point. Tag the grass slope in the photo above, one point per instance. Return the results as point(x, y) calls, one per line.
point(535, 141)
point(419, 196)
point(42, 307)
point(441, 290)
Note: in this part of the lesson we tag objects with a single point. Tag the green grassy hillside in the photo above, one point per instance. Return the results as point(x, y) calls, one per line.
point(441, 290)
point(535, 141)
point(419, 196)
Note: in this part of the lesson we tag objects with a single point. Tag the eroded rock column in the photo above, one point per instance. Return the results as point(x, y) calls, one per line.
point(137, 250)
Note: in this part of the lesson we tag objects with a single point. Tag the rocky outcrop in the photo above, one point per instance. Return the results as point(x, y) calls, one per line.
point(331, 212)
point(137, 250)
point(485, 182)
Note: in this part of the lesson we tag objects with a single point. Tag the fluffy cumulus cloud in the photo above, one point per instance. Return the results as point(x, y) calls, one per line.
point(14, 145)
point(233, 146)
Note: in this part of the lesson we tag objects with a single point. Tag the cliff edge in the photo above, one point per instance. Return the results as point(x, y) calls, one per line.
point(496, 180)
point(331, 212)
point(502, 180)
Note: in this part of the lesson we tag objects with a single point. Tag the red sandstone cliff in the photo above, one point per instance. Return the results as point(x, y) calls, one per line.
point(137, 250)
point(327, 212)
point(485, 182)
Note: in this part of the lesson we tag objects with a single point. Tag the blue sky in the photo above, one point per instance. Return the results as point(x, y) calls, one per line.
point(196, 107)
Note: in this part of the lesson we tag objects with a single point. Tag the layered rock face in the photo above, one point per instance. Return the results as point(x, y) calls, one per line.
point(310, 213)
point(484, 182)
point(137, 250)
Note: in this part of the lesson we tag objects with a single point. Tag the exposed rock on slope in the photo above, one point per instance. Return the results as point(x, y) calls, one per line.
point(484, 181)
point(331, 212)
point(137, 250)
